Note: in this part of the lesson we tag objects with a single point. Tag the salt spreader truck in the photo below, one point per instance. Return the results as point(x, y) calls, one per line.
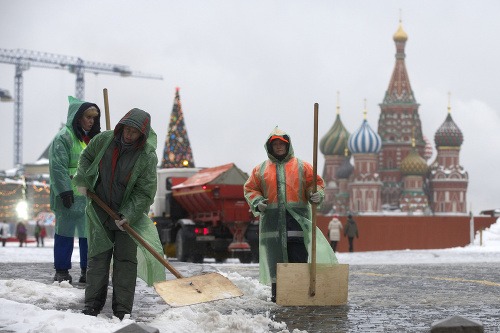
point(203, 213)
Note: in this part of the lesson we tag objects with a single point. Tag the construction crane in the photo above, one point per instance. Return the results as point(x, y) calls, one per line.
point(24, 59)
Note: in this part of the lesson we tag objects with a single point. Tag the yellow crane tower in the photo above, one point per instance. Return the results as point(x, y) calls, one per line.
point(24, 59)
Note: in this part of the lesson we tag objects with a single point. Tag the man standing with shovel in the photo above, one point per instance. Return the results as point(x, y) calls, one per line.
point(280, 190)
point(120, 167)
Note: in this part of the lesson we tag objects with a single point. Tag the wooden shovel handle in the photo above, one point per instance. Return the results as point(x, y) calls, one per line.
point(106, 108)
point(312, 275)
point(134, 234)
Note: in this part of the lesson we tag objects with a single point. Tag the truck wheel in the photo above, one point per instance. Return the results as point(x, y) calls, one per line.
point(254, 246)
point(181, 251)
point(245, 257)
point(198, 258)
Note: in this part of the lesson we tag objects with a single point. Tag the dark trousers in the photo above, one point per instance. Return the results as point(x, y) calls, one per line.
point(297, 252)
point(124, 256)
point(351, 244)
point(334, 245)
point(63, 250)
point(39, 240)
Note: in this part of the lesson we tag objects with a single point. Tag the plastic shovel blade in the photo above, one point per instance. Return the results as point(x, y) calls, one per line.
point(196, 289)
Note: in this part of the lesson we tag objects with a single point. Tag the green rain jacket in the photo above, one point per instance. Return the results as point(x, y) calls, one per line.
point(138, 196)
point(64, 153)
point(287, 185)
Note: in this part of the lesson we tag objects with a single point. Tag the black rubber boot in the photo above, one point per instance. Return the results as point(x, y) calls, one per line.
point(83, 277)
point(119, 314)
point(62, 275)
point(273, 292)
point(90, 312)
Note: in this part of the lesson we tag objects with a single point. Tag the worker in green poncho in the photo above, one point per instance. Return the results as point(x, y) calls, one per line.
point(280, 191)
point(68, 205)
point(120, 167)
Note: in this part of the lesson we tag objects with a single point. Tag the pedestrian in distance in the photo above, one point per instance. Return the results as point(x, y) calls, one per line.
point(21, 233)
point(40, 234)
point(82, 124)
point(351, 231)
point(119, 166)
point(280, 191)
point(4, 232)
point(334, 228)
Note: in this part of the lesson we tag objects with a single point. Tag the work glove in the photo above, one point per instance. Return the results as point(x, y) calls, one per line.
point(67, 198)
point(120, 223)
point(315, 197)
point(82, 190)
point(261, 206)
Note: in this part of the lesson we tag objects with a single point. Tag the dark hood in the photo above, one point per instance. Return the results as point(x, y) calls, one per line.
point(138, 119)
point(75, 112)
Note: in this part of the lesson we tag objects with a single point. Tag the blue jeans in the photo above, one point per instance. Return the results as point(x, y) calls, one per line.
point(63, 250)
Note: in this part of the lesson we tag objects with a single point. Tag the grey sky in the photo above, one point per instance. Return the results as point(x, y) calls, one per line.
point(246, 66)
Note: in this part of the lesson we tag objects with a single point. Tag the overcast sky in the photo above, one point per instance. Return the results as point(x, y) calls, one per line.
point(244, 67)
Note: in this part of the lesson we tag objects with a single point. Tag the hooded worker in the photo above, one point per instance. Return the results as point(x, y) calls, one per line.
point(120, 167)
point(82, 124)
point(280, 190)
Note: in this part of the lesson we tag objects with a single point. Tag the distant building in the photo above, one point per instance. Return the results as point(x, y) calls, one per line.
point(390, 169)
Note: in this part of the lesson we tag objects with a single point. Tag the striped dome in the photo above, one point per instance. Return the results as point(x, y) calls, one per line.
point(364, 140)
point(335, 140)
point(413, 164)
point(448, 135)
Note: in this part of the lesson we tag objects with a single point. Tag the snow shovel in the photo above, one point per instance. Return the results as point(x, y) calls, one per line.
point(309, 284)
point(184, 290)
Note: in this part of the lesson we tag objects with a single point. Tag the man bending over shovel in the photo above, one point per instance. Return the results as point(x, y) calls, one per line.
point(120, 167)
point(280, 191)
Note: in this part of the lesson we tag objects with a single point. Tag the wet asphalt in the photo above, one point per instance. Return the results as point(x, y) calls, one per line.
point(388, 298)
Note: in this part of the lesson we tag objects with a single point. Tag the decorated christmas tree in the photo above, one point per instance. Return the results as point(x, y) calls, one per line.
point(177, 152)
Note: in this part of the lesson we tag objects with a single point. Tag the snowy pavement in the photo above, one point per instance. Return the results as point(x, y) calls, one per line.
point(389, 291)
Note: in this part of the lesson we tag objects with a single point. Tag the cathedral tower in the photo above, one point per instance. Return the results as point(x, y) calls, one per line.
point(398, 116)
point(332, 146)
point(414, 170)
point(448, 179)
point(365, 188)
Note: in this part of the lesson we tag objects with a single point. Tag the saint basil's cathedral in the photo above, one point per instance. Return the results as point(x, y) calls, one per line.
point(390, 170)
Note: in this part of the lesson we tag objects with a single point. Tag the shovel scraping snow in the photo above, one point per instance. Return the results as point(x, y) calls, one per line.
point(184, 290)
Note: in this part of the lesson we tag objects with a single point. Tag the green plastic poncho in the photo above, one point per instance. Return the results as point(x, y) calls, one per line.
point(138, 197)
point(64, 153)
point(287, 185)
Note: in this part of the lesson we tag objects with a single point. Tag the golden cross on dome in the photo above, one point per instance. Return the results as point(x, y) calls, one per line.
point(338, 103)
point(449, 102)
point(364, 111)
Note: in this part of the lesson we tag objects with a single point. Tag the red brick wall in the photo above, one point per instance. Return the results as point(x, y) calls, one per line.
point(378, 233)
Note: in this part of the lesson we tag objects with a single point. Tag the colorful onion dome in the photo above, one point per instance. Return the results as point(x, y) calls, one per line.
point(400, 35)
point(413, 164)
point(335, 140)
point(364, 140)
point(345, 169)
point(428, 149)
point(448, 135)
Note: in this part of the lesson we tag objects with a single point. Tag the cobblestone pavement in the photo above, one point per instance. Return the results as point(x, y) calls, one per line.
point(389, 298)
